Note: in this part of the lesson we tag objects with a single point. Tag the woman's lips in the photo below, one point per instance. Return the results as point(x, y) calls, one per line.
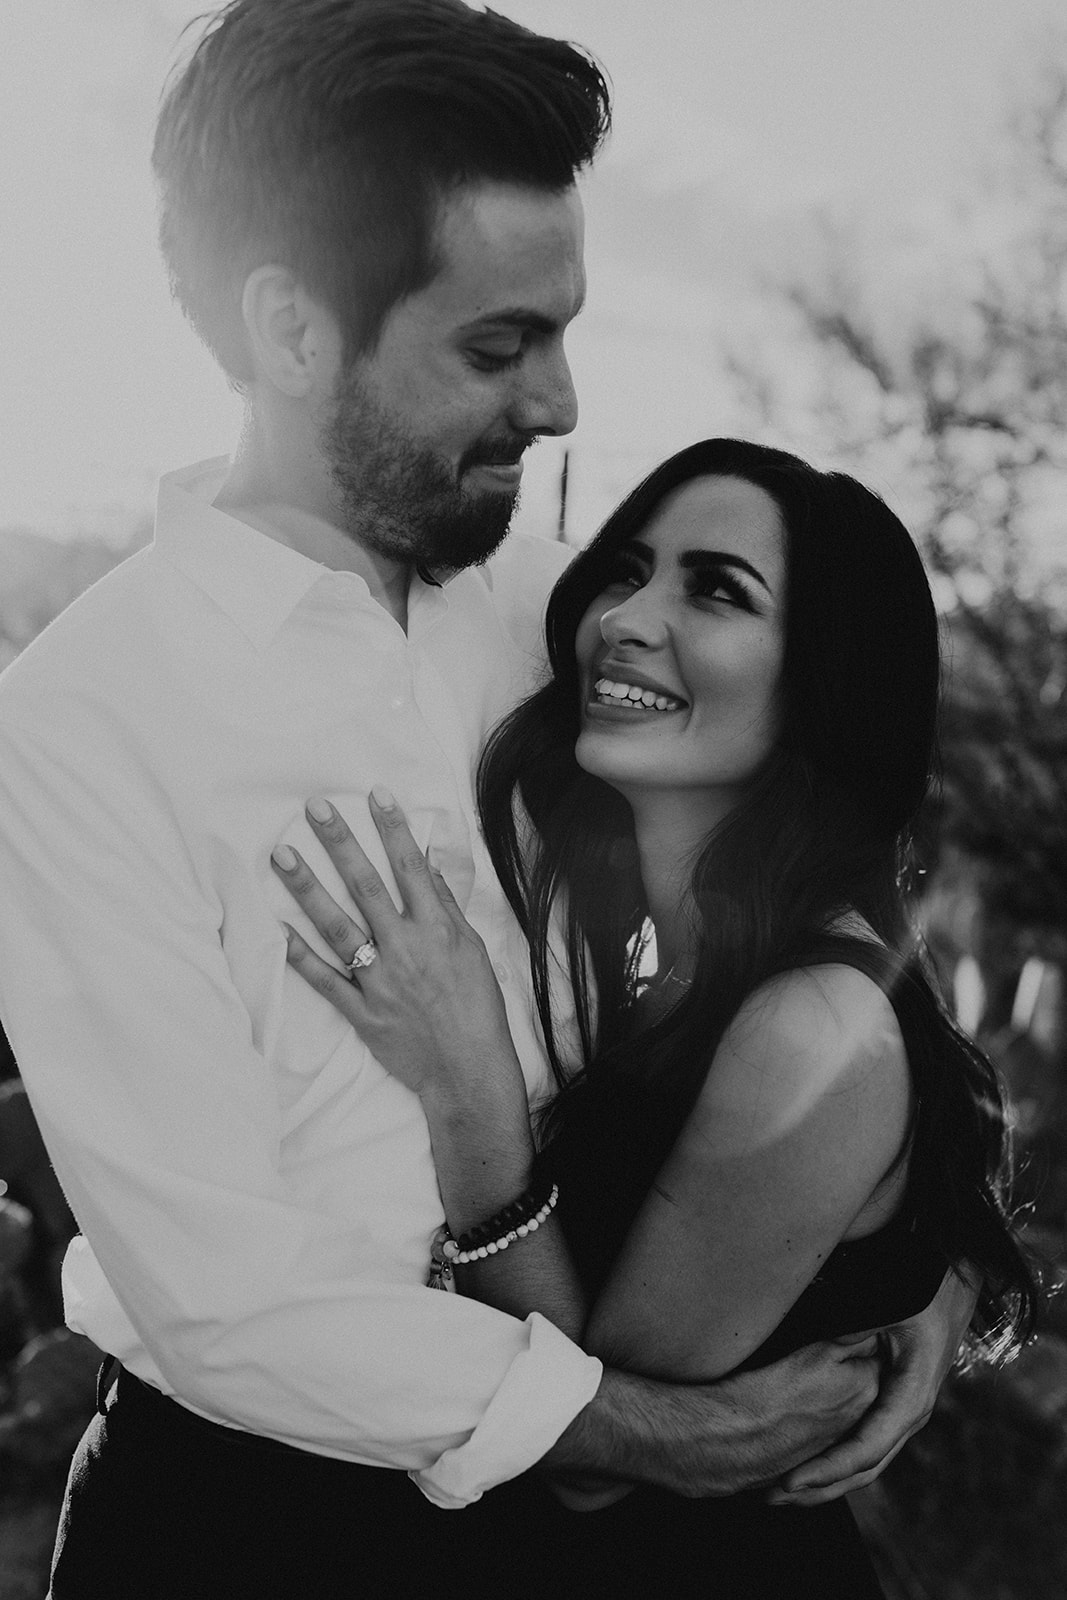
point(611, 692)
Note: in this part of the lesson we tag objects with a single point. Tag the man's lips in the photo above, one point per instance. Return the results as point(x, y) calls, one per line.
point(489, 457)
point(506, 473)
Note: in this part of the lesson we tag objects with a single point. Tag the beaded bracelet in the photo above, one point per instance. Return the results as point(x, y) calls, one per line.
point(521, 1209)
point(447, 1252)
point(462, 1250)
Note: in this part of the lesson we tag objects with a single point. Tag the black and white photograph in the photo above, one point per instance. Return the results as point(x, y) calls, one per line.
point(533, 800)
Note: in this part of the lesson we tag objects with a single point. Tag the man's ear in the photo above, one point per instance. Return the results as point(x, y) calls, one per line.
point(295, 342)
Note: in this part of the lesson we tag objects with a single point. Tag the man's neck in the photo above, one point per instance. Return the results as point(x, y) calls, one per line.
point(266, 507)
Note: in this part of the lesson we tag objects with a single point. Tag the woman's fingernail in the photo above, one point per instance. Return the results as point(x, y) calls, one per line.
point(283, 857)
point(319, 810)
point(382, 797)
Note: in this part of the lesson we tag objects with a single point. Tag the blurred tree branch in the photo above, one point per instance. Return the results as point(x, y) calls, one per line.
point(953, 385)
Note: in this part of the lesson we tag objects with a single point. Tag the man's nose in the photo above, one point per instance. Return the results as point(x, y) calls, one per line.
point(547, 403)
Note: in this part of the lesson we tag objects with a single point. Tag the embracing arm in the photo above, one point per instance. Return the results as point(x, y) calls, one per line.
point(737, 1432)
point(226, 1282)
point(916, 1356)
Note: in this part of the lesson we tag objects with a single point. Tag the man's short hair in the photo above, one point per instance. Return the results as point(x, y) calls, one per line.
point(323, 135)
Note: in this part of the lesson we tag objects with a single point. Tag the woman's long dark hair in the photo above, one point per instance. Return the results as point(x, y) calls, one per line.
point(824, 827)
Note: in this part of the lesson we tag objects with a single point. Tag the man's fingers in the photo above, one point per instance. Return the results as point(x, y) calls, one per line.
point(829, 1477)
point(858, 1459)
point(916, 1354)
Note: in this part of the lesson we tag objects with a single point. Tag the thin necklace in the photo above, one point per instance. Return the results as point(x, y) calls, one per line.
point(669, 977)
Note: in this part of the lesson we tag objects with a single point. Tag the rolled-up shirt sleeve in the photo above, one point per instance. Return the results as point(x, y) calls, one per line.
point(256, 1306)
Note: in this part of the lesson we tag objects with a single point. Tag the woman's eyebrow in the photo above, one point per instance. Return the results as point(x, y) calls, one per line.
point(696, 559)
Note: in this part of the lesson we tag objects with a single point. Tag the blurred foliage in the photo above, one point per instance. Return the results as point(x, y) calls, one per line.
point(972, 1509)
point(40, 576)
point(944, 378)
point(46, 1372)
point(1004, 752)
point(941, 367)
point(959, 397)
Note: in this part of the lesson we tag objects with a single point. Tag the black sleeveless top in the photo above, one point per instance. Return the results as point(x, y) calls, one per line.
point(611, 1138)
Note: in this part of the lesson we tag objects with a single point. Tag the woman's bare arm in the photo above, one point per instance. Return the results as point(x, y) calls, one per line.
point(804, 1109)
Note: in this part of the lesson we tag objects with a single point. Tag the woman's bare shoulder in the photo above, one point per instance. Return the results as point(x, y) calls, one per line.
point(814, 1034)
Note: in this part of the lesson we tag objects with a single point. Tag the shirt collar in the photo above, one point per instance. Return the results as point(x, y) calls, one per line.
point(256, 580)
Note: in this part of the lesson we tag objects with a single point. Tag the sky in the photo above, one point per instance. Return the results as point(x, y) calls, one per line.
point(735, 122)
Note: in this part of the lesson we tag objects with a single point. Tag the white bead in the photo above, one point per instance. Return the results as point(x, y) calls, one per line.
point(454, 1256)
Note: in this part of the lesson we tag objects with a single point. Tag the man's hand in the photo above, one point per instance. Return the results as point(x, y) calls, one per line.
point(916, 1355)
point(718, 1438)
point(775, 1412)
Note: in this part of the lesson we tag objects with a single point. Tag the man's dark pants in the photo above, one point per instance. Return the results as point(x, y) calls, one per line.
point(162, 1503)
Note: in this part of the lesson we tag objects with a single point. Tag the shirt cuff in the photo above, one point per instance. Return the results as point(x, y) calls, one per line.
point(547, 1384)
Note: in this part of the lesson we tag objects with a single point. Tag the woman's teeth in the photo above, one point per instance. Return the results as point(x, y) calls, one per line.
point(610, 693)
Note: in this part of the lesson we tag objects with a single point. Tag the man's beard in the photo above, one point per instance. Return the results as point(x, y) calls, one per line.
point(399, 499)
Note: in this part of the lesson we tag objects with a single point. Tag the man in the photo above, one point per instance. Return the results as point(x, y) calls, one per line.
point(369, 213)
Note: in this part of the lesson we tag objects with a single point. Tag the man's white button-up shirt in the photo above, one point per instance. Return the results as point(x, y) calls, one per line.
point(256, 1195)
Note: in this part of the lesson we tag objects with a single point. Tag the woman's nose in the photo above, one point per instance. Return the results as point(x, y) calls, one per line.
point(634, 620)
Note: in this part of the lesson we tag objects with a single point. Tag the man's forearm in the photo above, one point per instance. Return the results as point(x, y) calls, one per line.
point(716, 1438)
point(688, 1439)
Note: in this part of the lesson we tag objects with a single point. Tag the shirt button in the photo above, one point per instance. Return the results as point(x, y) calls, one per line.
point(397, 702)
point(503, 972)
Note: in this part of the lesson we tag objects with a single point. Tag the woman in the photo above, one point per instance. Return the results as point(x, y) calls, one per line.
point(780, 1136)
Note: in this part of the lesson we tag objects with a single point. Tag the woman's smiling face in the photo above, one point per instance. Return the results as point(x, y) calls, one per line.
point(680, 656)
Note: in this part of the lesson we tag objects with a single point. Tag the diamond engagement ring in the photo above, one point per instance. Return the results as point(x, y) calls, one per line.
point(364, 956)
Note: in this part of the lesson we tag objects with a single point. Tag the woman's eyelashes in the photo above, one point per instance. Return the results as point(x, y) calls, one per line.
point(626, 572)
point(711, 584)
point(712, 581)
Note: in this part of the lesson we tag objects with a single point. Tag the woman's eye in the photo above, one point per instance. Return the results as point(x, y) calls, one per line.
point(719, 586)
point(625, 575)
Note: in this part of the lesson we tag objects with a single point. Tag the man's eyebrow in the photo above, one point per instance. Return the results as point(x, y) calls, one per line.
point(694, 560)
point(522, 317)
